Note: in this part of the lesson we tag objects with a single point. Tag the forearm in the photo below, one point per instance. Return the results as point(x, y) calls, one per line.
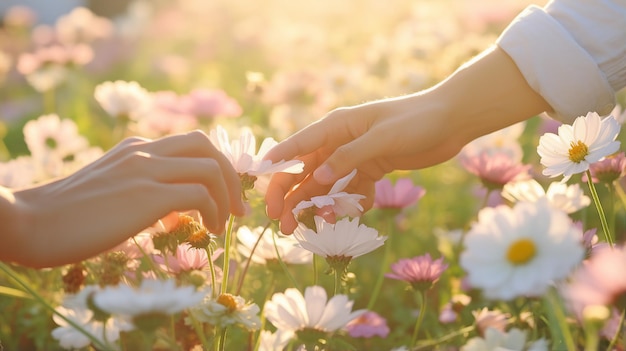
point(485, 95)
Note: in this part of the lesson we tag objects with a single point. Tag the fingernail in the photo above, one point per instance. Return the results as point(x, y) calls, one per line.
point(323, 174)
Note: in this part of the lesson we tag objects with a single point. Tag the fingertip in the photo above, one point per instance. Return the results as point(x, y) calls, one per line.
point(324, 174)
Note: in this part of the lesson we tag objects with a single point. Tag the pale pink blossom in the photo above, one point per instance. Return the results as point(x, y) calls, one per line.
point(401, 195)
point(494, 319)
point(82, 26)
point(419, 271)
point(212, 103)
point(368, 325)
point(495, 169)
point(608, 170)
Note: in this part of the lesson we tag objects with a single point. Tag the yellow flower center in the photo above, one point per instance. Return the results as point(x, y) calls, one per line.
point(578, 151)
point(521, 251)
point(228, 300)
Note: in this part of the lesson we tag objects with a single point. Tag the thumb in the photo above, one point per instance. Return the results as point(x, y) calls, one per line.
point(346, 158)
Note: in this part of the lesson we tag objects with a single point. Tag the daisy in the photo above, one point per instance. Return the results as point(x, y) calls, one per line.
point(286, 245)
point(401, 195)
point(269, 341)
point(227, 310)
point(588, 140)
point(520, 251)
point(290, 311)
point(502, 141)
point(568, 198)
point(153, 298)
point(496, 340)
point(420, 271)
point(51, 135)
point(338, 201)
point(242, 155)
point(346, 238)
point(82, 25)
point(121, 99)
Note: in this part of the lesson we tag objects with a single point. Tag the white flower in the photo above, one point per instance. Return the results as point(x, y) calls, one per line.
point(50, 134)
point(122, 99)
point(75, 308)
point(71, 338)
point(244, 158)
point(502, 141)
point(568, 198)
point(227, 310)
point(588, 140)
point(495, 340)
point(160, 296)
point(346, 238)
point(269, 341)
point(342, 203)
point(519, 251)
point(266, 250)
point(290, 311)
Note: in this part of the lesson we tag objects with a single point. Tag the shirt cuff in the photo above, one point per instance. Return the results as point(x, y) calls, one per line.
point(556, 67)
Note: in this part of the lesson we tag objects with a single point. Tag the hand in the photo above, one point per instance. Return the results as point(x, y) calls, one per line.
point(128, 189)
point(409, 132)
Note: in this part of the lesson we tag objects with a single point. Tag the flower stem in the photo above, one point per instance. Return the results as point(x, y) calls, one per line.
point(618, 332)
point(227, 242)
point(596, 200)
point(421, 296)
point(221, 341)
point(383, 265)
point(245, 269)
point(209, 251)
point(97, 343)
point(337, 282)
point(282, 263)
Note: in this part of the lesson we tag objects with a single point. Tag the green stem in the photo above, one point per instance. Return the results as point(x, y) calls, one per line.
point(282, 263)
point(199, 332)
point(383, 266)
point(596, 200)
point(227, 242)
point(245, 269)
point(97, 343)
point(221, 341)
point(554, 304)
point(209, 252)
point(618, 332)
point(337, 282)
point(421, 296)
point(49, 101)
point(314, 269)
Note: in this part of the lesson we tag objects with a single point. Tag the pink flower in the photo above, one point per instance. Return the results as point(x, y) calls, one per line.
point(420, 271)
point(369, 324)
point(495, 169)
point(212, 103)
point(401, 195)
point(486, 319)
point(608, 170)
point(599, 281)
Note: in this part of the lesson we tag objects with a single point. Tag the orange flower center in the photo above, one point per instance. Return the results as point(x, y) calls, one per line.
point(578, 151)
point(228, 301)
point(521, 251)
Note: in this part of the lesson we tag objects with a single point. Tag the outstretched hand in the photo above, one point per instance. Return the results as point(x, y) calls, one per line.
point(128, 189)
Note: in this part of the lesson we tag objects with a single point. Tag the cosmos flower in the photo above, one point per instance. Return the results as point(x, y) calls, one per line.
point(598, 281)
point(227, 310)
point(494, 319)
point(290, 311)
point(368, 325)
point(495, 169)
point(420, 271)
point(401, 195)
point(346, 238)
point(496, 340)
point(269, 341)
point(49, 134)
point(338, 201)
point(121, 99)
point(568, 198)
point(265, 250)
point(520, 251)
point(588, 140)
point(609, 169)
point(153, 297)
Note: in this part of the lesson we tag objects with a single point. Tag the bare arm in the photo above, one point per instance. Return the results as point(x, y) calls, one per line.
point(408, 132)
point(125, 191)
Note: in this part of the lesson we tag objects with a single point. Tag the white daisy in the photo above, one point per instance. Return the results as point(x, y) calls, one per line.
point(227, 310)
point(243, 156)
point(496, 340)
point(520, 251)
point(269, 341)
point(342, 203)
point(266, 250)
point(568, 198)
point(151, 297)
point(51, 135)
point(290, 311)
point(346, 238)
point(588, 140)
point(123, 99)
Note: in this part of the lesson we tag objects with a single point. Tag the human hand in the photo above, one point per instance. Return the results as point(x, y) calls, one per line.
point(128, 189)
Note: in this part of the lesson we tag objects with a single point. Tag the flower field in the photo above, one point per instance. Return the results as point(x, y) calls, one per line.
point(514, 244)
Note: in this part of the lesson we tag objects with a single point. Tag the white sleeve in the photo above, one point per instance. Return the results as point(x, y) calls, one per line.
point(571, 52)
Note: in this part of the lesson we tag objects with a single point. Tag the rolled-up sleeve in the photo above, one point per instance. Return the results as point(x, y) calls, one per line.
point(571, 52)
